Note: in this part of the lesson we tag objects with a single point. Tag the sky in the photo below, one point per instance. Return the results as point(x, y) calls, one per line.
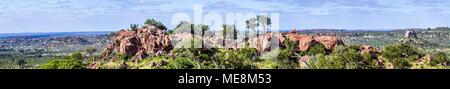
point(18, 16)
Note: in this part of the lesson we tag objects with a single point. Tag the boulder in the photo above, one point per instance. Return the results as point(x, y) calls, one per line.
point(367, 50)
point(329, 42)
point(264, 42)
point(130, 45)
point(304, 41)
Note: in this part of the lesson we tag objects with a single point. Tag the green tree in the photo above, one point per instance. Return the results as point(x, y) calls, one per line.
point(439, 58)
point(341, 58)
point(183, 63)
point(400, 55)
point(124, 57)
point(134, 27)
point(70, 62)
point(77, 56)
point(252, 24)
point(285, 59)
point(229, 59)
point(64, 64)
point(21, 63)
point(155, 23)
point(316, 49)
point(260, 20)
point(264, 21)
point(185, 26)
point(112, 34)
point(91, 50)
point(231, 28)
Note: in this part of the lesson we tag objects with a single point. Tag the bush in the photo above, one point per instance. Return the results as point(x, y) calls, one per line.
point(155, 23)
point(439, 58)
point(341, 58)
point(91, 50)
point(64, 64)
point(316, 49)
point(124, 57)
point(183, 63)
point(134, 27)
point(112, 34)
point(400, 55)
point(77, 56)
point(118, 43)
point(230, 59)
point(284, 59)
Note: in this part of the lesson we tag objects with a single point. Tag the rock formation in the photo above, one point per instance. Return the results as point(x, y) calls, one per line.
point(150, 40)
point(329, 42)
point(370, 50)
point(411, 33)
point(305, 41)
point(141, 42)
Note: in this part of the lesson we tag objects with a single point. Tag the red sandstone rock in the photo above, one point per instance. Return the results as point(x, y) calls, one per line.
point(329, 42)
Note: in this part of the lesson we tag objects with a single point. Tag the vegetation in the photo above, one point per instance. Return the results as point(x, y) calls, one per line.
point(72, 62)
point(134, 27)
point(91, 50)
point(34, 51)
point(232, 29)
point(400, 55)
point(155, 23)
point(440, 58)
point(397, 52)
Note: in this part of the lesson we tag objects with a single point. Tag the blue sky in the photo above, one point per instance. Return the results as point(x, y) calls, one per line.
point(18, 16)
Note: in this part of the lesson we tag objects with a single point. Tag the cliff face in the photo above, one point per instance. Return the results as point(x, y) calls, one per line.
point(150, 40)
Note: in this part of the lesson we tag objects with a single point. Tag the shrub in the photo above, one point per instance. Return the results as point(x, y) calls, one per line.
point(230, 59)
point(341, 58)
point(439, 58)
point(317, 49)
point(134, 27)
point(183, 63)
point(284, 59)
point(112, 34)
point(118, 43)
point(124, 57)
point(64, 64)
point(400, 55)
point(77, 56)
point(155, 23)
point(91, 50)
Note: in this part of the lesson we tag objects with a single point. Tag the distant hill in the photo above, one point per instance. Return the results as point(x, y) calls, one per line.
point(52, 34)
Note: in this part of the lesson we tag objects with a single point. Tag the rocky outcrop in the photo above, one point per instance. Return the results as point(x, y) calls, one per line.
point(150, 40)
point(130, 45)
point(370, 50)
point(139, 43)
point(411, 34)
point(263, 42)
point(329, 42)
point(305, 41)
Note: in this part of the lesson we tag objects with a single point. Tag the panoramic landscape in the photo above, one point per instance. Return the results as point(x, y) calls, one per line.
point(364, 34)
